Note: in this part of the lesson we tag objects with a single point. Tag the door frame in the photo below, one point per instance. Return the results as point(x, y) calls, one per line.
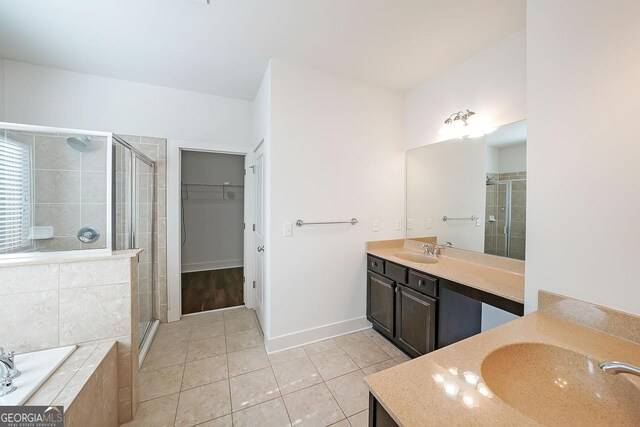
point(174, 188)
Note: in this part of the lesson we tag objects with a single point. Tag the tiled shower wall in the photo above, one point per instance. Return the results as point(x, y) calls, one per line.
point(156, 149)
point(69, 189)
point(496, 206)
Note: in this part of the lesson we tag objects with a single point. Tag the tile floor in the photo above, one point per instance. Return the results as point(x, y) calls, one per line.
point(211, 370)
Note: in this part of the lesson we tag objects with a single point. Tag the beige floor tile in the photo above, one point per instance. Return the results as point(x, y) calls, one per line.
point(204, 371)
point(361, 419)
point(351, 392)
point(160, 382)
point(343, 423)
point(207, 329)
point(319, 346)
point(244, 339)
point(239, 324)
point(253, 388)
point(379, 367)
point(333, 363)
point(158, 412)
point(207, 347)
point(287, 355)
point(199, 318)
point(251, 359)
point(365, 353)
point(238, 313)
point(313, 406)
point(352, 338)
point(296, 375)
point(385, 345)
point(161, 357)
point(268, 414)
point(203, 404)
point(226, 421)
point(171, 333)
point(402, 358)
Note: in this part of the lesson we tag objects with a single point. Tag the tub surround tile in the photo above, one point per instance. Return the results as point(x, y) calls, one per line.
point(35, 313)
point(18, 280)
point(89, 273)
point(104, 311)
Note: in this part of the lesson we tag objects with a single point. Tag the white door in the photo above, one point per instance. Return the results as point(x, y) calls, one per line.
point(259, 236)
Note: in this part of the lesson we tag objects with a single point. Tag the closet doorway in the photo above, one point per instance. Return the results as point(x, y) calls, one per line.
point(212, 231)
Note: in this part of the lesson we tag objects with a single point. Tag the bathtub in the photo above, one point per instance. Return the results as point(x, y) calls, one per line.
point(36, 367)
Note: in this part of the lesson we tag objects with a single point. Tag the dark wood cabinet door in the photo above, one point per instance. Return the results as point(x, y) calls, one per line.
point(415, 321)
point(378, 417)
point(380, 299)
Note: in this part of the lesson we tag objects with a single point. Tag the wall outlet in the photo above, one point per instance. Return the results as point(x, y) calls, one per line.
point(376, 225)
point(287, 231)
point(429, 223)
point(409, 224)
point(398, 224)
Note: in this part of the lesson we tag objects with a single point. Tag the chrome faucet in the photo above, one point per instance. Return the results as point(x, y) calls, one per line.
point(11, 372)
point(7, 360)
point(433, 249)
point(614, 367)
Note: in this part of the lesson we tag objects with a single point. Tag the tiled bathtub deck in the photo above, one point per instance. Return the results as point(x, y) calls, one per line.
point(211, 370)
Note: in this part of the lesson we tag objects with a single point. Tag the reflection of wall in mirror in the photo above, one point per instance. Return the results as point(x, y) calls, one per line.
point(448, 179)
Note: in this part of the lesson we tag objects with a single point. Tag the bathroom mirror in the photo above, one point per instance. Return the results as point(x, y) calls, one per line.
point(53, 190)
point(471, 192)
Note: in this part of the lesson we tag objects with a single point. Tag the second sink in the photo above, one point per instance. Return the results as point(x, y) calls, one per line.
point(556, 386)
point(415, 257)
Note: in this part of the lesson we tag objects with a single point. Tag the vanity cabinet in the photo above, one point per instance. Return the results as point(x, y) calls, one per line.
point(401, 305)
point(378, 416)
point(415, 321)
point(380, 303)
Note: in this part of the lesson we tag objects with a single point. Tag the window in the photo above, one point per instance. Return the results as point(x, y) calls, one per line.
point(15, 195)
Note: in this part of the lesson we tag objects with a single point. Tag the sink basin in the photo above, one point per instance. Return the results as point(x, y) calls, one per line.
point(556, 386)
point(414, 257)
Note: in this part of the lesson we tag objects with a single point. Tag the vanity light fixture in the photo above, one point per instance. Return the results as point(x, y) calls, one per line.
point(465, 123)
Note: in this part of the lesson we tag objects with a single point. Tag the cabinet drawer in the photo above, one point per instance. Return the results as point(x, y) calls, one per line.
point(396, 272)
point(422, 283)
point(375, 264)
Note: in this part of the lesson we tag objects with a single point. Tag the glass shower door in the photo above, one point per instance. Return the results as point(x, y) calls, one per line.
point(143, 238)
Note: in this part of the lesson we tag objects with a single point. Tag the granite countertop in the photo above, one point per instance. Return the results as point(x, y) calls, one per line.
point(419, 392)
point(497, 281)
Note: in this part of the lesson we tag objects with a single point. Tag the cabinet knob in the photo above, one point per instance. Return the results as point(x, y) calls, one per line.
point(420, 282)
point(374, 264)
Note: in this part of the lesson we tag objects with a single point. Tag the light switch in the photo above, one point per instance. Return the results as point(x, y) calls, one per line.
point(429, 223)
point(376, 225)
point(286, 229)
point(398, 224)
point(409, 224)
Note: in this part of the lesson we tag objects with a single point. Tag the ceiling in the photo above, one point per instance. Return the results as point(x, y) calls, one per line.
point(223, 48)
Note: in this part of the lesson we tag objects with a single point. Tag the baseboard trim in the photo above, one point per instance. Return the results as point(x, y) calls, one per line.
point(308, 336)
point(211, 265)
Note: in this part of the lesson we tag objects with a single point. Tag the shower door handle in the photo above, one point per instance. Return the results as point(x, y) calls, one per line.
point(260, 248)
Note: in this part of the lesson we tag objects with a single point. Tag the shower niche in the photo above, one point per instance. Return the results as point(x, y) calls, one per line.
point(54, 190)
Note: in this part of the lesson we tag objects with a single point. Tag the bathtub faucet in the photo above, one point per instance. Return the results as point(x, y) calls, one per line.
point(7, 361)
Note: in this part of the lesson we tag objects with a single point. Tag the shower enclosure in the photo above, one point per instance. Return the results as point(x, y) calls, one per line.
point(505, 212)
point(134, 178)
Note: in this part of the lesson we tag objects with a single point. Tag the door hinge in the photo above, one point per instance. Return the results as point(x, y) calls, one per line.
point(244, 225)
point(253, 169)
point(244, 280)
point(254, 284)
point(254, 227)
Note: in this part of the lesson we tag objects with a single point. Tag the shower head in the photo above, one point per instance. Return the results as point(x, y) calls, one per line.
point(81, 144)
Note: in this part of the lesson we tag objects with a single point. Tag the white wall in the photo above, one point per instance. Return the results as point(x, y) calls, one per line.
point(512, 158)
point(336, 152)
point(491, 83)
point(261, 131)
point(448, 179)
point(213, 224)
point(583, 231)
point(2, 96)
point(46, 96)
